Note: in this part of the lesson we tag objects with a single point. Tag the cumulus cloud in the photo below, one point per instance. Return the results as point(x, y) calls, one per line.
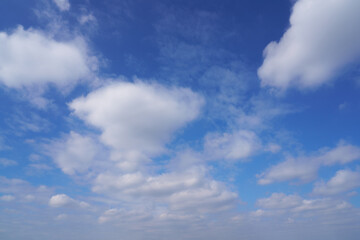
point(63, 5)
point(305, 168)
point(321, 39)
point(231, 146)
point(63, 200)
point(74, 153)
point(29, 58)
point(343, 181)
point(138, 117)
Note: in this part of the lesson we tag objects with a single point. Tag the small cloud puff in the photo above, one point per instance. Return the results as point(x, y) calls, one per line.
point(63, 200)
point(63, 5)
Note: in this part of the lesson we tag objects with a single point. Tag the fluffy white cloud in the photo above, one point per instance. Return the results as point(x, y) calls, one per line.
point(305, 169)
point(30, 57)
point(74, 153)
point(189, 190)
point(342, 154)
point(321, 39)
point(343, 181)
point(235, 146)
point(138, 117)
point(63, 5)
point(63, 200)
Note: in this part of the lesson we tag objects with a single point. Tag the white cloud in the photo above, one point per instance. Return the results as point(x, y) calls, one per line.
point(320, 41)
point(29, 58)
point(235, 146)
point(343, 181)
point(116, 183)
point(123, 215)
point(21, 122)
point(321, 204)
point(138, 117)
point(279, 201)
point(23, 191)
point(63, 200)
point(63, 5)
point(136, 121)
point(7, 198)
point(74, 153)
point(305, 169)
point(7, 162)
point(61, 217)
point(87, 18)
point(188, 190)
point(342, 154)
point(273, 148)
point(211, 197)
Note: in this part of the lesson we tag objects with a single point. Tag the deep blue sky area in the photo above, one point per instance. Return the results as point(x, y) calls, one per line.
point(179, 119)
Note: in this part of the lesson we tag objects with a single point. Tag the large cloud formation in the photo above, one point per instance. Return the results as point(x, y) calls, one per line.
point(321, 39)
point(138, 117)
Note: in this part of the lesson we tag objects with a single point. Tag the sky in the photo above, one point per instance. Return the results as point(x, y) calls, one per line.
point(179, 119)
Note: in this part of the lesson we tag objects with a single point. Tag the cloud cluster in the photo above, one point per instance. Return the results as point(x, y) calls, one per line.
point(136, 121)
point(189, 190)
point(321, 39)
point(305, 169)
point(343, 181)
point(20, 190)
point(280, 203)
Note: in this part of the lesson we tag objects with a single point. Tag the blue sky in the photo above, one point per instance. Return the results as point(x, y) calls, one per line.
point(179, 119)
